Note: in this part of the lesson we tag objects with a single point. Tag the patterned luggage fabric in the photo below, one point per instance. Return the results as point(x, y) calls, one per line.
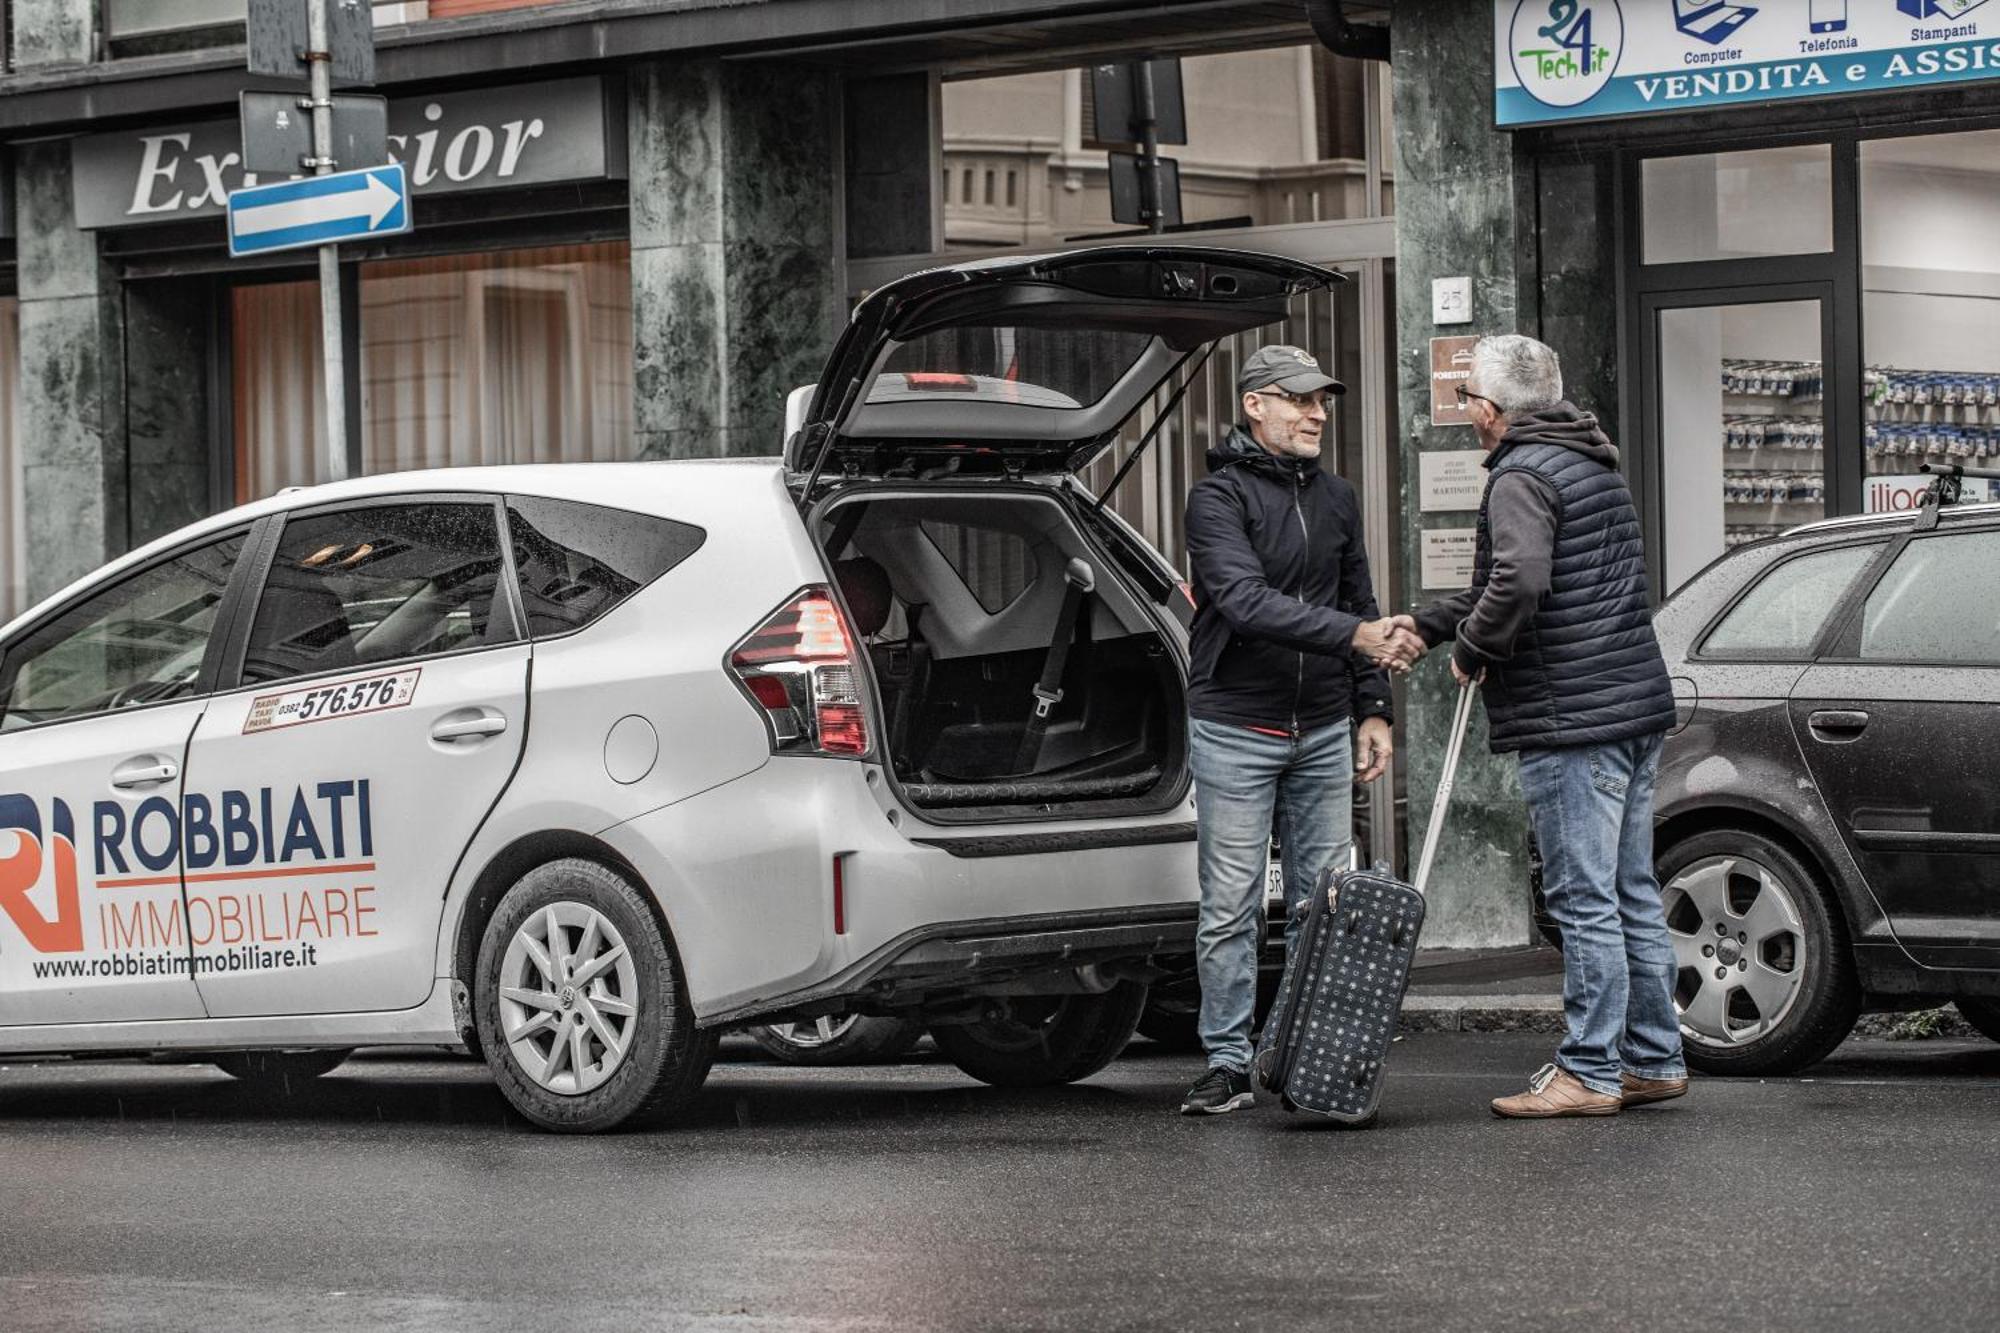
point(1327, 1036)
point(1328, 1033)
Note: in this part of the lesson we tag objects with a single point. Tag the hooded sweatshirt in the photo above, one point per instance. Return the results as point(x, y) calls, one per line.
point(1558, 615)
point(1280, 585)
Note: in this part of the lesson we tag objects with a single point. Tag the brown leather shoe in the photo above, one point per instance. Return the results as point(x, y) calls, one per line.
point(1638, 1091)
point(1554, 1092)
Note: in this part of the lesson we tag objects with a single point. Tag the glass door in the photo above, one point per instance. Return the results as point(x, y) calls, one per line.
point(1744, 427)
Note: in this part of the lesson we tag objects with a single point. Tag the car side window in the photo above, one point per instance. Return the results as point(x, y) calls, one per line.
point(140, 641)
point(577, 561)
point(378, 584)
point(997, 566)
point(1780, 618)
point(1939, 602)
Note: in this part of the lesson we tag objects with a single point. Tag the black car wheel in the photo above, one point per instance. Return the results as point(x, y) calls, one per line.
point(1035, 1041)
point(843, 1039)
point(580, 1006)
point(1983, 1012)
point(1766, 981)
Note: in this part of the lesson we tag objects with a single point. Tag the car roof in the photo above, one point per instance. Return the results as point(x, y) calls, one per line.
point(702, 491)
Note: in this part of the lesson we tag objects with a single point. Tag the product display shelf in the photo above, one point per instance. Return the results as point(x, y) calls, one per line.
point(1930, 416)
point(1774, 449)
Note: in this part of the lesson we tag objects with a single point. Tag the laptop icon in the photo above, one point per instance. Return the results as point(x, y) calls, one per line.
point(1708, 22)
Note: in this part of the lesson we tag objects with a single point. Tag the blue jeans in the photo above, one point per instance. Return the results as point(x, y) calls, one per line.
point(1592, 811)
point(1240, 776)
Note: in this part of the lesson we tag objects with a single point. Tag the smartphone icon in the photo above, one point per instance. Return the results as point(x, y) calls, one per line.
point(1828, 15)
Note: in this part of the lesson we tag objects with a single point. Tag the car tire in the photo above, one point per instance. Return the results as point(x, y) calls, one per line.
point(1983, 1012)
point(848, 1039)
point(1039, 1041)
point(621, 1048)
point(280, 1071)
point(1802, 964)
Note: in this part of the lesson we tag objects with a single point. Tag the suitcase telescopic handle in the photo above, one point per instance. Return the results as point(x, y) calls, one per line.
point(1459, 722)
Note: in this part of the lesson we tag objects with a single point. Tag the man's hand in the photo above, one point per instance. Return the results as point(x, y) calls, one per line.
point(1387, 645)
point(1458, 674)
point(1374, 745)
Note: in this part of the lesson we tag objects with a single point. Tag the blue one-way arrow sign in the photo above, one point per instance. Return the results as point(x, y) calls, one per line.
point(319, 210)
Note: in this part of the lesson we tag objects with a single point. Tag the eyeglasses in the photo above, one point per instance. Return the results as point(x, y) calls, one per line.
point(1303, 402)
point(1465, 393)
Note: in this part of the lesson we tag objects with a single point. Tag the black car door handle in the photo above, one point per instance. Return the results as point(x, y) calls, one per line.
point(1844, 723)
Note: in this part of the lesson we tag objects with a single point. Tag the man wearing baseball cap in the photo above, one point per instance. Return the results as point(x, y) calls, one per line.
point(1289, 687)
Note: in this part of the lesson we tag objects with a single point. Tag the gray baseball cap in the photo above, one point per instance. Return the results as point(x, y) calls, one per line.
point(1289, 368)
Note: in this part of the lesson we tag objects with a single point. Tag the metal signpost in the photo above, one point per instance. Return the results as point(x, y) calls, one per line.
point(1140, 102)
point(333, 39)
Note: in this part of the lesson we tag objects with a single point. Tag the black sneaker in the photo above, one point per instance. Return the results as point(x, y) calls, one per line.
point(1218, 1092)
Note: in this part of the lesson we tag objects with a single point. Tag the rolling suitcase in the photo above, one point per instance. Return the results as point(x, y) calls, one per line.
point(1325, 1040)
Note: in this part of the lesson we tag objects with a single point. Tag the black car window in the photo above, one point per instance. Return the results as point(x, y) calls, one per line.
point(1780, 618)
point(1939, 602)
point(140, 641)
point(378, 584)
point(577, 561)
point(996, 566)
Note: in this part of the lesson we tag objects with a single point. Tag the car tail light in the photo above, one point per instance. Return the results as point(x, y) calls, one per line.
point(799, 666)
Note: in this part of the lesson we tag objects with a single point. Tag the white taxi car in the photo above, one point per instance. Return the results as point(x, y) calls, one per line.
point(578, 765)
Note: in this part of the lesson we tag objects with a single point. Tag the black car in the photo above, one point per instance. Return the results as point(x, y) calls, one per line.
point(1828, 809)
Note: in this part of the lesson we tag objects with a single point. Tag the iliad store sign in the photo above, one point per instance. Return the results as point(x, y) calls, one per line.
point(538, 134)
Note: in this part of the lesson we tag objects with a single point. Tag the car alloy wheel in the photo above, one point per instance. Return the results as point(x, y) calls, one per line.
point(821, 1031)
point(568, 998)
point(1739, 945)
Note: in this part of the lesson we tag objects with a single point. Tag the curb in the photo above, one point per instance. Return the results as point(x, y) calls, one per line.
point(1481, 1013)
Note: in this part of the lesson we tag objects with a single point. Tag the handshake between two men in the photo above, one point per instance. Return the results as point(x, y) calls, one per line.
point(1394, 644)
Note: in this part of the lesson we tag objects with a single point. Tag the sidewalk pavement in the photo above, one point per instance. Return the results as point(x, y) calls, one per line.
point(1520, 990)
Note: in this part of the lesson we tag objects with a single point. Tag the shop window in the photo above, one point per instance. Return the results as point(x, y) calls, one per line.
point(1925, 609)
point(13, 515)
point(1930, 255)
point(1767, 201)
point(520, 357)
point(379, 584)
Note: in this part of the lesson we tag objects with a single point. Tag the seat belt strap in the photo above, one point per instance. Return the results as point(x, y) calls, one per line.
point(1048, 690)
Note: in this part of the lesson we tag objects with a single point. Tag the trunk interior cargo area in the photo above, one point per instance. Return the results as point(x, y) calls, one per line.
point(959, 598)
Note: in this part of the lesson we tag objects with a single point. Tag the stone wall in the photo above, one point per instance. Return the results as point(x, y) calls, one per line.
point(734, 280)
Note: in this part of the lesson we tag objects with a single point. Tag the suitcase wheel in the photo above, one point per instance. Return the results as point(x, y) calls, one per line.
point(1285, 1101)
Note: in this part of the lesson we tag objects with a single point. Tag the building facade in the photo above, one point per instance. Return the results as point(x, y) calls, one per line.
point(640, 224)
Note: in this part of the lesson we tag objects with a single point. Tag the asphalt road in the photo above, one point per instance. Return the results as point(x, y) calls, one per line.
point(400, 1193)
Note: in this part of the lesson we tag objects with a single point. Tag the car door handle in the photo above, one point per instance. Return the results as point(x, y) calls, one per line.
point(148, 770)
point(1838, 722)
point(468, 724)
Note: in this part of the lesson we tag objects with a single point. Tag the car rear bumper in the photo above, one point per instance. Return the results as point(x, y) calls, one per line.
point(933, 963)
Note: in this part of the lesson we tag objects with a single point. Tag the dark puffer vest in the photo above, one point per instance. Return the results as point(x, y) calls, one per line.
point(1587, 669)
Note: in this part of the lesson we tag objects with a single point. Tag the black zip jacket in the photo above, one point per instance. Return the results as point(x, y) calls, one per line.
point(1280, 585)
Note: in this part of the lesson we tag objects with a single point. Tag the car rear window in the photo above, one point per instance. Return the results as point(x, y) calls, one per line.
point(577, 561)
point(1939, 602)
point(1781, 617)
point(1032, 367)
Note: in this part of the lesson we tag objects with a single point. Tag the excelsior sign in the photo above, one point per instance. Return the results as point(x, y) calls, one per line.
point(1559, 60)
point(491, 138)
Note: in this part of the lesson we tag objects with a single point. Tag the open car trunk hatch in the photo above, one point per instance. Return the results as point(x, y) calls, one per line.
point(1018, 366)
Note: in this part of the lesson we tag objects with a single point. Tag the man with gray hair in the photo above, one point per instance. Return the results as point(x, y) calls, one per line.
point(1558, 628)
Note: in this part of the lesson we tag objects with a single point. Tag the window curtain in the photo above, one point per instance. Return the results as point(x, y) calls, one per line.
point(518, 357)
point(13, 518)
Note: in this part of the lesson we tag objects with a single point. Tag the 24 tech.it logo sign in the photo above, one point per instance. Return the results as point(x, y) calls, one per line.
point(1565, 51)
point(23, 859)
